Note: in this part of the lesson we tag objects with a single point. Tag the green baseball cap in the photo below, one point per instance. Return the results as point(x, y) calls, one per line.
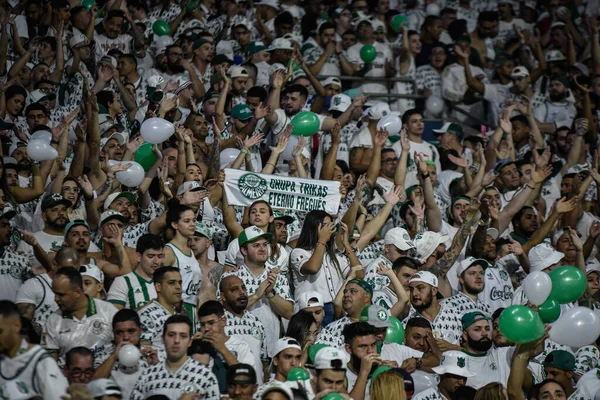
point(288, 219)
point(410, 190)
point(470, 318)
point(376, 315)
point(252, 233)
point(255, 48)
point(203, 230)
point(560, 359)
point(241, 112)
point(363, 284)
point(198, 43)
point(450, 127)
point(74, 223)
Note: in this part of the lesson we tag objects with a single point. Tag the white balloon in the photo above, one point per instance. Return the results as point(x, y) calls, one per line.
point(44, 136)
point(392, 123)
point(537, 287)
point(287, 153)
point(38, 150)
point(163, 41)
point(228, 156)
point(577, 327)
point(129, 355)
point(423, 380)
point(432, 9)
point(133, 176)
point(156, 130)
point(434, 105)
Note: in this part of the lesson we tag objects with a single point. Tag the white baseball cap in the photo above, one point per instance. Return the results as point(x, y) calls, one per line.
point(155, 81)
point(77, 39)
point(425, 277)
point(455, 363)
point(104, 387)
point(471, 262)
point(400, 238)
point(340, 102)
point(555, 55)
point(114, 196)
point(269, 3)
point(543, 256)
point(285, 343)
point(592, 268)
point(330, 358)
point(92, 271)
point(379, 110)
point(237, 71)
point(111, 214)
point(331, 80)
point(280, 44)
point(519, 72)
point(251, 234)
point(118, 136)
point(276, 67)
point(427, 242)
point(308, 299)
point(281, 387)
point(192, 185)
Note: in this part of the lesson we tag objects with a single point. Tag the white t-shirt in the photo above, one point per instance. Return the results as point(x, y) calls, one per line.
point(250, 330)
point(493, 367)
point(94, 331)
point(14, 271)
point(327, 281)
point(104, 44)
point(398, 352)
point(49, 243)
point(240, 350)
point(234, 257)
point(384, 54)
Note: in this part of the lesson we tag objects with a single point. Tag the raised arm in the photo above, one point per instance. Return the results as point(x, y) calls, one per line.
point(329, 164)
point(561, 207)
point(432, 211)
point(400, 176)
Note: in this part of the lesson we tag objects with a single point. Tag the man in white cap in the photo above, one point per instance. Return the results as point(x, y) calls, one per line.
point(330, 370)
point(470, 274)
point(312, 303)
point(286, 356)
point(82, 52)
point(542, 257)
point(445, 322)
point(366, 143)
point(397, 243)
point(93, 281)
point(267, 10)
point(327, 58)
point(239, 77)
point(104, 389)
point(338, 105)
point(454, 371)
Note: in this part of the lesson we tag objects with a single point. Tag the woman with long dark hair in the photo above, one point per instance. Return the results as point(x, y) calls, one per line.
point(315, 262)
point(182, 220)
point(304, 328)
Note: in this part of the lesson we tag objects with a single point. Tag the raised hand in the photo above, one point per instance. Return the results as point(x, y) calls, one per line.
point(336, 137)
point(86, 186)
point(564, 206)
point(28, 238)
point(282, 142)
point(253, 140)
point(384, 270)
point(395, 196)
point(515, 247)
point(261, 111)
point(418, 211)
point(135, 144)
point(297, 150)
point(326, 230)
point(380, 137)
point(460, 161)
point(575, 239)
point(421, 164)
point(539, 175)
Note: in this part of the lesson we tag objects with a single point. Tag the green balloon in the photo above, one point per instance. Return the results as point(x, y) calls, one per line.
point(394, 335)
point(333, 396)
point(191, 6)
point(145, 156)
point(396, 322)
point(305, 123)
point(568, 284)
point(88, 4)
point(161, 28)
point(314, 349)
point(520, 324)
point(549, 311)
point(398, 21)
point(368, 53)
point(352, 93)
point(298, 374)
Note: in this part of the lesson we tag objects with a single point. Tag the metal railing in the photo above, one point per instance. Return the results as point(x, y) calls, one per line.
point(373, 79)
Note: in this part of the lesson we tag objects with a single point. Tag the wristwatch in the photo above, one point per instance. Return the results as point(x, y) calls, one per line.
point(270, 295)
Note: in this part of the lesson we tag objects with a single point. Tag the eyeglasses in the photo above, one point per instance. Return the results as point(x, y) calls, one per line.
point(76, 372)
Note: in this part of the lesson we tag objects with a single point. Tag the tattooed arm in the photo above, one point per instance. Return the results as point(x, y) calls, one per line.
point(441, 267)
point(26, 310)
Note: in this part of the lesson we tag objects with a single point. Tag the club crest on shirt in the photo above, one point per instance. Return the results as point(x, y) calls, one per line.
point(255, 332)
point(15, 272)
point(190, 388)
point(97, 327)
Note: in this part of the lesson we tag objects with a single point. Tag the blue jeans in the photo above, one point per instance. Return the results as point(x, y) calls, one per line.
point(329, 316)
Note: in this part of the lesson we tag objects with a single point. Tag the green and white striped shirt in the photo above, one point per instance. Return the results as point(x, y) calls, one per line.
point(131, 291)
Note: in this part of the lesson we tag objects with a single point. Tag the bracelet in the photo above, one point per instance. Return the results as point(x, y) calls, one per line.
point(419, 362)
point(270, 163)
point(425, 176)
point(324, 245)
point(530, 187)
point(244, 151)
point(270, 295)
point(54, 141)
